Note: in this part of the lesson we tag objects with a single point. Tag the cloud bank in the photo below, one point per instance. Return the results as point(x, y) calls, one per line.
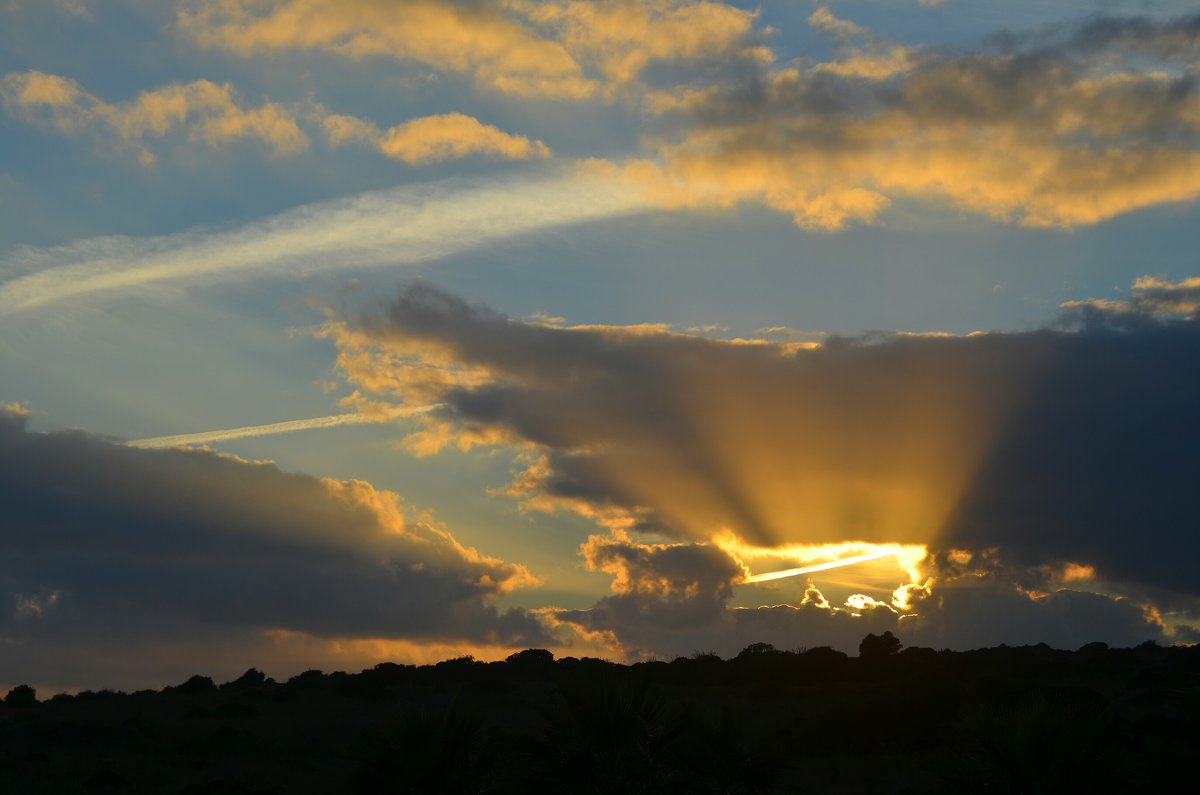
point(675, 599)
point(1061, 128)
point(105, 547)
point(554, 50)
point(1063, 447)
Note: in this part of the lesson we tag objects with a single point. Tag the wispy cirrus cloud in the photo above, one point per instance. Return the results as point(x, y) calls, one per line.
point(414, 223)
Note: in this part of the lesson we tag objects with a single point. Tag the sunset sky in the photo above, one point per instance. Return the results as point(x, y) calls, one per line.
point(341, 331)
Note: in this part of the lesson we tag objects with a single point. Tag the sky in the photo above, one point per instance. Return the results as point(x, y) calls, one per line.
point(341, 332)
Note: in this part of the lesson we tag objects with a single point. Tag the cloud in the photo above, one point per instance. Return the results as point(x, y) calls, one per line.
point(104, 545)
point(1150, 296)
point(414, 223)
point(270, 429)
point(1050, 133)
point(674, 599)
point(201, 110)
point(476, 39)
point(1065, 444)
point(431, 139)
point(618, 40)
point(556, 50)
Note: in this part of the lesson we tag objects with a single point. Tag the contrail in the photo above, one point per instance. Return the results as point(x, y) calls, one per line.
point(403, 225)
point(779, 575)
point(269, 429)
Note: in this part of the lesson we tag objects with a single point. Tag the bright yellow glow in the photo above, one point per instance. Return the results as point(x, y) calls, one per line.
point(779, 575)
point(813, 558)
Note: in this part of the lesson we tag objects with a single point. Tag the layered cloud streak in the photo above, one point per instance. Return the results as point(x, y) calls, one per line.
point(411, 224)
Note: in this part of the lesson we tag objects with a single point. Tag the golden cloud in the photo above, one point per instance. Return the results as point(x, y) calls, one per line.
point(1055, 137)
point(434, 138)
point(619, 39)
point(558, 50)
point(476, 39)
point(202, 110)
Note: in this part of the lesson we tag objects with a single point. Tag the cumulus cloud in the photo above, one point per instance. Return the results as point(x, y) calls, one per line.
point(431, 139)
point(1065, 444)
point(559, 50)
point(202, 110)
point(1060, 130)
point(104, 546)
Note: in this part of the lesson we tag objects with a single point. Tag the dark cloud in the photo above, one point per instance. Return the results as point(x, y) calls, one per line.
point(674, 599)
point(103, 544)
point(1168, 38)
point(974, 613)
point(1069, 444)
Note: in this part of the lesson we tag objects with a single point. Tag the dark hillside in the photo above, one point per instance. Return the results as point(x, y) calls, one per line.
point(1024, 720)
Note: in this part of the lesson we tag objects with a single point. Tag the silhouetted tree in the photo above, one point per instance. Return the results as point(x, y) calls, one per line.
point(531, 661)
point(21, 696)
point(874, 647)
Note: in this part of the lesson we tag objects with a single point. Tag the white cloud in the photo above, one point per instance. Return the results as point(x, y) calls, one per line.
point(404, 225)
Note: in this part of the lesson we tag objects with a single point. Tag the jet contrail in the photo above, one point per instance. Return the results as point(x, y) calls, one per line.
point(289, 426)
point(413, 223)
point(835, 564)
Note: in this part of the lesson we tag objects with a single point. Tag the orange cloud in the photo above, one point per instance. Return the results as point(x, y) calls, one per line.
point(1057, 137)
point(619, 39)
point(475, 39)
point(558, 50)
point(202, 110)
point(434, 138)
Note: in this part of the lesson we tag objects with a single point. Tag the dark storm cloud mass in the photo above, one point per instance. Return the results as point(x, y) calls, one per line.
point(1067, 444)
point(106, 544)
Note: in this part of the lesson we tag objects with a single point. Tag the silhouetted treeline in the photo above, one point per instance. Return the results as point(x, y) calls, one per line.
point(1025, 720)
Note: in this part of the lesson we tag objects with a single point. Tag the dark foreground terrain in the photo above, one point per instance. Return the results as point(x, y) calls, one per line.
point(1025, 720)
